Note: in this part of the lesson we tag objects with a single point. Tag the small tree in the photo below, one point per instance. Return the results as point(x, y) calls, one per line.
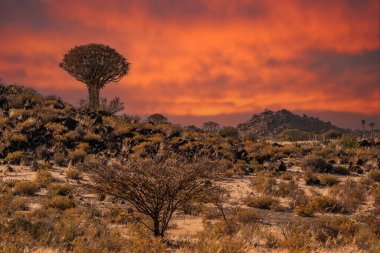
point(363, 123)
point(154, 187)
point(157, 118)
point(95, 65)
point(210, 126)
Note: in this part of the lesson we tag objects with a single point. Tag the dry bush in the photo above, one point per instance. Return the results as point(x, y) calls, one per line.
point(43, 178)
point(316, 164)
point(25, 188)
point(286, 189)
point(154, 187)
point(59, 189)
point(262, 202)
point(73, 173)
point(15, 157)
point(10, 204)
point(296, 237)
point(60, 202)
point(304, 210)
point(328, 180)
point(334, 231)
point(350, 194)
point(325, 204)
point(263, 183)
point(248, 216)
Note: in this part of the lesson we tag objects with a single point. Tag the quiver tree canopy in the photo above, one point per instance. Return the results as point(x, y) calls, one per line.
point(95, 65)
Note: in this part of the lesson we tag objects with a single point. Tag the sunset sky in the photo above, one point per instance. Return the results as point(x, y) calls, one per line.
point(196, 60)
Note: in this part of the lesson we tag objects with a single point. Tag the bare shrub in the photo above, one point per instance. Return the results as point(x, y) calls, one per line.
point(154, 187)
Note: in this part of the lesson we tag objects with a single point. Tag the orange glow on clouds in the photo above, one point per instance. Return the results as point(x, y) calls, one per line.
point(205, 58)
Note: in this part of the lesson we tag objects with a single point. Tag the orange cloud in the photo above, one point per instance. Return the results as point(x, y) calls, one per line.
point(205, 57)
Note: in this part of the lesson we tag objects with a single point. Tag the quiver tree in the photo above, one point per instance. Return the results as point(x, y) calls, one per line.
point(95, 65)
point(154, 187)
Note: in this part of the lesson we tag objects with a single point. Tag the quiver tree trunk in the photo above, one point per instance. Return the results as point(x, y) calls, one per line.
point(93, 95)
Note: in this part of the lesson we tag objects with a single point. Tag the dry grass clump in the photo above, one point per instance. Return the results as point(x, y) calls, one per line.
point(316, 164)
point(59, 189)
point(350, 194)
point(25, 188)
point(15, 157)
point(43, 178)
point(325, 204)
point(74, 173)
point(247, 216)
point(60, 202)
point(328, 180)
point(263, 183)
point(262, 202)
point(10, 204)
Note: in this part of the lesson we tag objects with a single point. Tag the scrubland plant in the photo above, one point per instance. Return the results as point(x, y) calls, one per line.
point(154, 187)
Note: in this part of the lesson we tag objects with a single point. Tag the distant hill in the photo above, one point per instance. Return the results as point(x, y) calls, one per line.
point(270, 124)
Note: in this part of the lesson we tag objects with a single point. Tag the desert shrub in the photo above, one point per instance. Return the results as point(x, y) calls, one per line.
point(59, 202)
point(328, 180)
point(347, 141)
point(325, 204)
point(316, 164)
point(92, 137)
point(333, 231)
point(340, 170)
point(77, 155)
point(247, 216)
point(374, 175)
point(296, 237)
point(350, 194)
point(18, 138)
point(286, 189)
point(262, 202)
point(311, 178)
point(228, 132)
point(55, 127)
point(157, 119)
point(73, 173)
point(43, 178)
point(263, 183)
point(305, 210)
point(9, 204)
point(59, 189)
point(15, 157)
point(25, 188)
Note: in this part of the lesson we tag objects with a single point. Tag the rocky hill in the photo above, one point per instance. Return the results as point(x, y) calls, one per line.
point(270, 124)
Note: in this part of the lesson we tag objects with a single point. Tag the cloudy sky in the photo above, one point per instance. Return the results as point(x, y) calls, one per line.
point(196, 60)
